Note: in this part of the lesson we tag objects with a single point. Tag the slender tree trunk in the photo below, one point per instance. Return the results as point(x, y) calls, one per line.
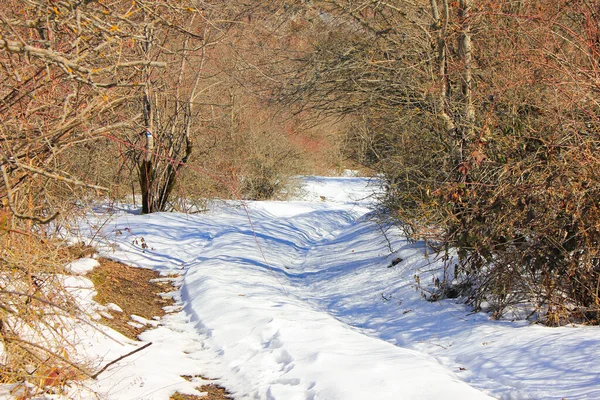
point(440, 24)
point(467, 119)
point(467, 66)
point(147, 174)
point(145, 166)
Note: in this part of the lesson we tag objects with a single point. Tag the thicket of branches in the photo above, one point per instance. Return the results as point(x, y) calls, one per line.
point(104, 98)
point(483, 118)
point(61, 87)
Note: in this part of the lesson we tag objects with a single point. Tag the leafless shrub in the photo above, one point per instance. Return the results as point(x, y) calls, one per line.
point(37, 349)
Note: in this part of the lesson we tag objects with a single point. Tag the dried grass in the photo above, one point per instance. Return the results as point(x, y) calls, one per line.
point(36, 315)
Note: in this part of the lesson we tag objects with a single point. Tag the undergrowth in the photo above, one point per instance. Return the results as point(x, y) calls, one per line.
point(37, 352)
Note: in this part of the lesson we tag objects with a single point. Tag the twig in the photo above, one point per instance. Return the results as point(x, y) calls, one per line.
point(119, 359)
point(384, 233)
point(9, 196)
point(57, 177)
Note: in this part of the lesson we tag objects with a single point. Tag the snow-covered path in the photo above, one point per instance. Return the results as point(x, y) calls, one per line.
point(297, 300)
point(264, 313)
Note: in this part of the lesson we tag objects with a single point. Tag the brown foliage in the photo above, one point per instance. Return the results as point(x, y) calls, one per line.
point(492, 152)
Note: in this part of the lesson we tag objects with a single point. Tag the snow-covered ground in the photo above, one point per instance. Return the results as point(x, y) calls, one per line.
point(298, 300)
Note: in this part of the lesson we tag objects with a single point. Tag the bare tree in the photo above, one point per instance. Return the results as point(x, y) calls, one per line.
point(168, 108)
point(65, 81)
point(182, 36)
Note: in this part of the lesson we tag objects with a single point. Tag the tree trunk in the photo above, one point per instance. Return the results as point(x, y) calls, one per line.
point(146, 174)
point(467, 67)
point(168, 145)
point(145, 167)
point(440, 24)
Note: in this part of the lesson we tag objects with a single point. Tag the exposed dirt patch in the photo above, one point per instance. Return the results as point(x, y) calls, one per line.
point(214, 392)
point(133, 290)
point(138, 291)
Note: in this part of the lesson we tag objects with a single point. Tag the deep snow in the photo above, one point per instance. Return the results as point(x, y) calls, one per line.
point(297, 300)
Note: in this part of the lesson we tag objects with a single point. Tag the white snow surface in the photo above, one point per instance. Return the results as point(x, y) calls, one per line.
point(297, 300)
point(81, 266)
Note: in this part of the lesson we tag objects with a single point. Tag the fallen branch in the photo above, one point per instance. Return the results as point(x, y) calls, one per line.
point(119, 359)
